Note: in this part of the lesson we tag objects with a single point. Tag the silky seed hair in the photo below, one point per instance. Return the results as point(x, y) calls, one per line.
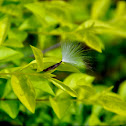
point(72, 53)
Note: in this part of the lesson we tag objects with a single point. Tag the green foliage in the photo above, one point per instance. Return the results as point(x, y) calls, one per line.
point(30, 35)
point(23, 89)
point(63, 86)
point(4, 25)
point(8, 54)
point(10, 107)
point(39, 58)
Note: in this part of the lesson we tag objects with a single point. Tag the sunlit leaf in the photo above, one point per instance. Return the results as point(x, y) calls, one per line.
point(76, 79)
point(30, 23)
point(49, 61)
point(99, 8)
point(67, 67)
point(24, 90)
point(96, 109)
point(4, 26)
point(8, 54)
point(7, 89)
point(32, 65)
point(122, 90)
point(43, 9)
point(120, 10)
point(94, 120)
point(11, 9)
point(93, 41)
point(86, 92)
point(60, 107)
point(39, 58)
point(42, 84)
point(113, 103)
point(13, 43)
point(117, 120)
point(15, 38)
point(1, 2)
point(63, 86)
point(11, 107)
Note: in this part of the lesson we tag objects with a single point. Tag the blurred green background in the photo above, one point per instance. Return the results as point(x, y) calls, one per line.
point(100, 25)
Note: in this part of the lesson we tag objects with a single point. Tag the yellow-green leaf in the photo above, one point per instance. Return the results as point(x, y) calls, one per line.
point(94, 120)
point(60, 107)
point(122, 90)
point(113, 103)
point(63, 86)
point(120, 10)
point(42, 84)
point(1, 1)
point(99, 8)
point(4, 26)
point(39, 58)
point(31, 65)
point(7, 54)
point(86, 92)
point(24, 90)
point(78, 79)
point(67, 67)
point(117, 119)
point(93, 41)
point(10, 107)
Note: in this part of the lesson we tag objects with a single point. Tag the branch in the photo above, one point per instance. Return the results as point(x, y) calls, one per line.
point(15, 99)
point(51, 48)
point(48, 49)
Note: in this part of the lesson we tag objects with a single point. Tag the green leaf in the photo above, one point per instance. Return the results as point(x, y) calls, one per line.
point(49, 61)
point(81, 82)
point(39, 10)
point(13, 43)
point(93, 41)
point(67, 67)
point(42, 11)
point(99, 8)
point(113, 103)
point(60, 107)
point(18, 35)
point(94, 120)
point(31, 65)
point(15, 38)
point(63, 86)
point(10, 107)
point(93, 23)
point(8, 54)
point(120, 10)
point(4, 26)
point(86, 92)
point(96, 26)
point(76, 79)
point(122, 90)
point(39, 58)
point(117, 119)
point(12, 10)
point(42, 84)
point(7, 89)
point(86, 32)
point(24, 90)
point(30, 23)
point(117, 31)
point(1, 2)
point(97, 109)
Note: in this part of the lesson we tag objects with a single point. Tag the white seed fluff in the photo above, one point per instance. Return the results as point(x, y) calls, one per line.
point(72, 53)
